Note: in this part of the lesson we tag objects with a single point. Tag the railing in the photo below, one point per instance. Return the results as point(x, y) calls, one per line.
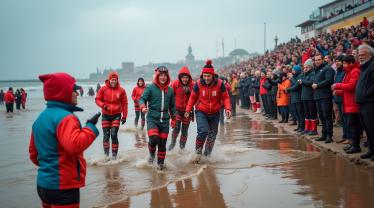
point(345, 14)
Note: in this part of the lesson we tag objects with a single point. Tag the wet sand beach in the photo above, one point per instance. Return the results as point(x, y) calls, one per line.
point(254, 164)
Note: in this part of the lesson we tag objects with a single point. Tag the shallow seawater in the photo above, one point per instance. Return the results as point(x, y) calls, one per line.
point(253, 164)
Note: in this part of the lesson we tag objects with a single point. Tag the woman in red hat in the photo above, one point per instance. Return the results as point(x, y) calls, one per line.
point(208, 95)
point(112, 99)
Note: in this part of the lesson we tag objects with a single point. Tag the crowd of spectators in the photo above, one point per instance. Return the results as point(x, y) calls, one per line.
point(314, 82)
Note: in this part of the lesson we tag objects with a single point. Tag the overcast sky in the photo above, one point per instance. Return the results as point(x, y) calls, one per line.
point(76, 36)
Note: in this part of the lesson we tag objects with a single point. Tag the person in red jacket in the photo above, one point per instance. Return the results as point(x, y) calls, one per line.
point(9, 100)
point(112, 99)
point(182, 88)
point(58, 141)
point(23, 98)
point(350, 108)
point(136, 94)
point(208, 93)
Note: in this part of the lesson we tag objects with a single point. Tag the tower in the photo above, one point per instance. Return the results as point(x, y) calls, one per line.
point(190, 58)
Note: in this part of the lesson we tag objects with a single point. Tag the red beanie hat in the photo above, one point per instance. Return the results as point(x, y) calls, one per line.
point(208, 68)
point(113, 75)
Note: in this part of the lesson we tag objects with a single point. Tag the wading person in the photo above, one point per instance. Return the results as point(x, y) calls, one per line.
point(112, 99)
point(136, 94)
point(58, 141)
point(161, 107)
point(182, 88)
point(208, 93)
point(9, 100)
point(23, 98)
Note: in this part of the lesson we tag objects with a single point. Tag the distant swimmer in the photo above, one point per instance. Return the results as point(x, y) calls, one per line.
point(58, 141)
point(112, 99)
point(208, 94)
point(182, 88)
point(161, 108)
point(136, 94)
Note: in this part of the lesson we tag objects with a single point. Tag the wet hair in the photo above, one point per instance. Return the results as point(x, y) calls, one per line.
point(350, 59)
point(11, 88)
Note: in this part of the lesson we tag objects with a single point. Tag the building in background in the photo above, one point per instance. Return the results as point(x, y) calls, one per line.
point(335, 15)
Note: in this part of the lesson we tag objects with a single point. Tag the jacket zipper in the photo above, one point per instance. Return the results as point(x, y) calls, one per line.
point(111, 102)
point(162, 104)
point(210, 104)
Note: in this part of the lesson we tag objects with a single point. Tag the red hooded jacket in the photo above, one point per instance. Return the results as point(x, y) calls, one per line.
point(9, 97)
point(348, 87)
point(263, 91)
point(57, 139)
point(112, 100)
point(182, 93)
point(136, 94)
point(209, 98)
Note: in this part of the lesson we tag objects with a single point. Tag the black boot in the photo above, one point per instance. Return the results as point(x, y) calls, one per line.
point(283, 118)
point(322, 138)
point(347, 147)
point(328, 140)
point(353, 149)
point(367, 155)
point(286, 115)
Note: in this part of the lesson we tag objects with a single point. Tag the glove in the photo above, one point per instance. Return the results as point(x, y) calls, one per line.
point(173, 122)
point(94, 118)
point(123, 120)
point(105, 107)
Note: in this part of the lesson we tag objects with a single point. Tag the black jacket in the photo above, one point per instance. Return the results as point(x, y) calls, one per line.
point(365, 84)
point(244, 84)
point(255, 84)
point(295, 89)
point(324, 78)
point(306, 87)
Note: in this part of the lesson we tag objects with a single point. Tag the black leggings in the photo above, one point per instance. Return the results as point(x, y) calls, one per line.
point(110, 132)
point(310, 109)
point(137, 115)
point(184, 133)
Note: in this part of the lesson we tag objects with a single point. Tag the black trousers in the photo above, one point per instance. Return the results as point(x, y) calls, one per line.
point(9, 107)
point(58, 197)
point(366, 116)
point(300, 113)
point(310, 109)
point(271, 105)
point(265, 104)
point(354, 127)
point(233, 104)
point(324, 108)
